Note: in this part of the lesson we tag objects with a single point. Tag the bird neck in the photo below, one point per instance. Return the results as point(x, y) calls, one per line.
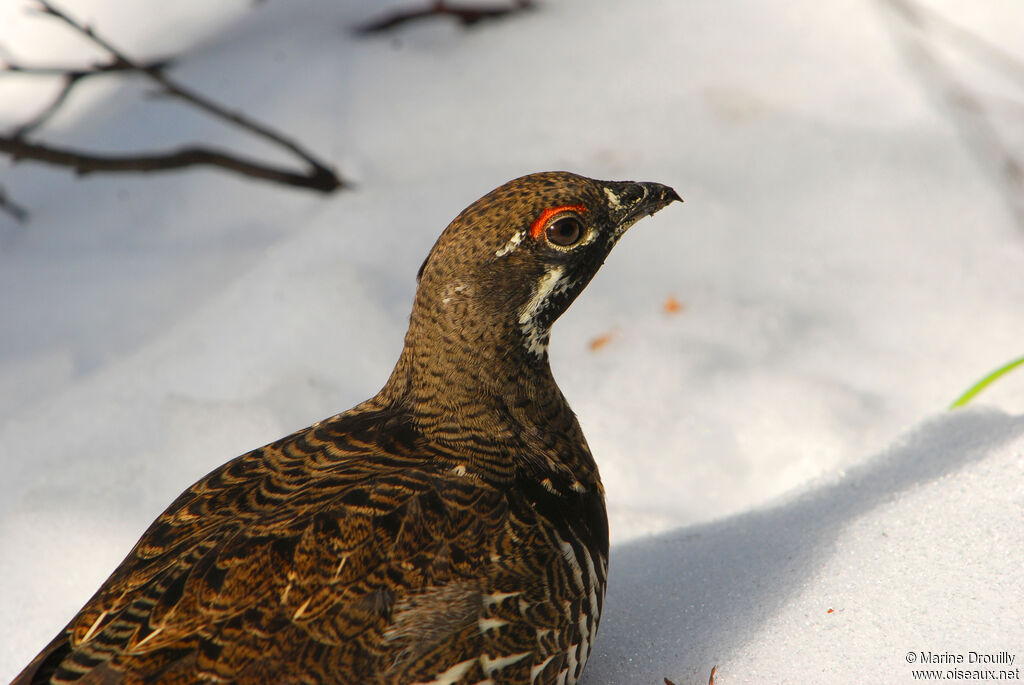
point(476, 393)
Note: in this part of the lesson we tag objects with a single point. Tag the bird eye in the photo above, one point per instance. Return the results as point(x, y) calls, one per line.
point(565, 232)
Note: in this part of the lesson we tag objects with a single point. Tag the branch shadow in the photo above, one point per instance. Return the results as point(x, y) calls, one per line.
point(919, 33)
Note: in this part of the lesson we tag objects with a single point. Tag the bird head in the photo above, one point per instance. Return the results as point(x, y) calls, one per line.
point(513, 261)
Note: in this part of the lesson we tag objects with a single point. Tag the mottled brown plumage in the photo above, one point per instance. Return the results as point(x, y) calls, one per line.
point(449, 530)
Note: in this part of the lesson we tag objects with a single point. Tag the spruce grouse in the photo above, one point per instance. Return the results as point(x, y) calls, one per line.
point(450, 530)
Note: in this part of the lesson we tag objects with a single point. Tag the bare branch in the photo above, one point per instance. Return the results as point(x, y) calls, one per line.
point(178, 90)
point(19, 213)
point(71, 77)
point(466, 15)
point(87, 163)
point(95, 69)
point(51, 109)
point(318, 176)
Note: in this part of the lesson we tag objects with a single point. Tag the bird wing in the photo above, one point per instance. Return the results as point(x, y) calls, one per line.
point(341, 553)
point(321, 553)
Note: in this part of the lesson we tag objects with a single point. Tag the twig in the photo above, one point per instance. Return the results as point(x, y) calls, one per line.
point(71, 78)
point(91, 70)
point(85, 163)
point(19, 213)
point(467, 15)
point(189, 95)
point(318, 177)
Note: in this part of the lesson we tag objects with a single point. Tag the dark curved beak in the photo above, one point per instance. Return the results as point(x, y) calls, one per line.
point(656, 197)
point(630, 201)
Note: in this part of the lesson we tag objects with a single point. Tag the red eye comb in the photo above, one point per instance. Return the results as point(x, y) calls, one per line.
point(538, 225)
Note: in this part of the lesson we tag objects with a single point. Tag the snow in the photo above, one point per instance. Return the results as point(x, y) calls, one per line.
point(789, 497)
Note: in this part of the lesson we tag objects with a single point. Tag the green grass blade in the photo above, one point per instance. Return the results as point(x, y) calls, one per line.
point(985, 382)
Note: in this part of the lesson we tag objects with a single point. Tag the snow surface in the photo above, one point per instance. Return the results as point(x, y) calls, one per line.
point(789, 498)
